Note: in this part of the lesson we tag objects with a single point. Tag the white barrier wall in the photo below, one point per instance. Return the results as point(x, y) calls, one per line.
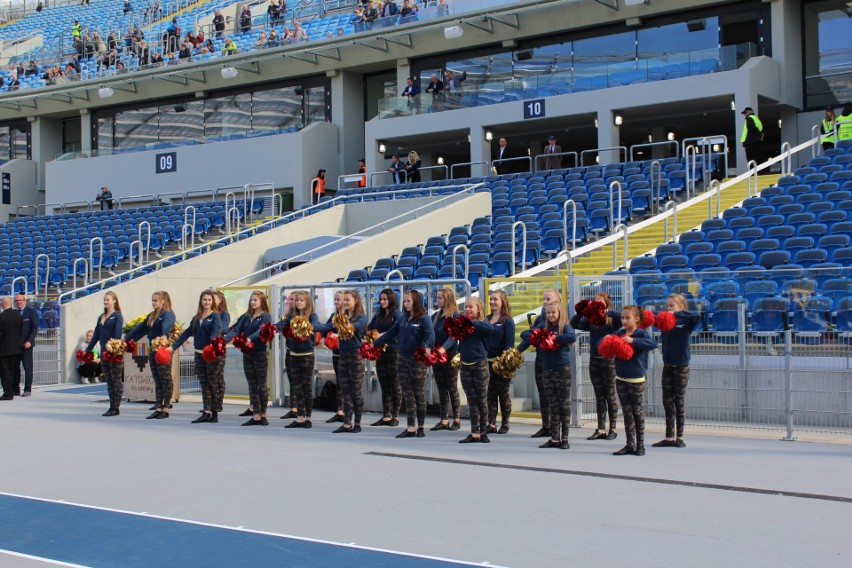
point(22, 177)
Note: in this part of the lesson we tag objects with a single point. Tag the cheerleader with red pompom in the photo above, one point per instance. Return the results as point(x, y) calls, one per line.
point(255, 356)
point(414, 331)
point(333, 344)
point(204, 327)
point(446, 376)
point(547, 297)
point(109, 327)
point(220, 304)
point(159, 323)
point(631, 363)
point(473, 351)
point(554, 351)
point(298, 329)
point(599, 319)
point(385, 318)
point(676, 325)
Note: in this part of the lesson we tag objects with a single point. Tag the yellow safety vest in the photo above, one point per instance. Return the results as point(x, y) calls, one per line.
point(745, 127)
point(77, 30)
point(828, 126)
point(844, 128)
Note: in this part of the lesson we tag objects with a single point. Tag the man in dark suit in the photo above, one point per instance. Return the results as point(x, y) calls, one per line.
point(503, 153)
point(11, 323)
point(553, 161)
point(28, 337)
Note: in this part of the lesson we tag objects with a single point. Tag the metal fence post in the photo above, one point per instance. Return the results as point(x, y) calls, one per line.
point(575, 386)
point(788, 383)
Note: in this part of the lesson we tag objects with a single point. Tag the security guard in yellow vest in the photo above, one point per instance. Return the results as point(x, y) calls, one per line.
point(844, 123)
point(827, 129)
point(76, 30)
point(752, 136)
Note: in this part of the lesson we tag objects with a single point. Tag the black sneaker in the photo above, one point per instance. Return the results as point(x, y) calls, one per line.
point(421, 433)
point(596, 435)
point(335, 418)
point(394, 422)
point(504, 429)
point(625, 451)
point(550, 444)
point(295, 424)
point(455, 426)
point(153, 416)
point(111, 412)
point(264, 421)
point(469, 440)
point(541, 433)
point(289, 415)
point(564, 445)
point(251, 422)
point(484, 439)
point(356, 428)
point(491, 429)
point(307, 424)
point(203, 418)
point(611, 435)
point(214, 418)
point(640, 451)
point(679, 443)
point(440, 426)
point(247, 412)
point(663, 444)
point(406, 434)
point(342, 430)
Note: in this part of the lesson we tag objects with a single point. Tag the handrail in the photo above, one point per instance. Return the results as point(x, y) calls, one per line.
point(120, 200)
point(444, 167)
point(708, 141)
point(248, 202)
point(272, 196)
point(26, 290)
point(235, 213)
point(20, 207)
point(652, 144)
point(599, 150)
point(626, 236)
point(751, 180)
point(85, 274)
point(471, 164)
point(44, 206)
point(92, 256)
point(671, 205)
point(569, 262)
point(185, 223)
point(394, 271)
point(787, 162)
point(403, 173)
point(524, 251)
point(527, 158)
point(148, 242)
point(545, 156)
point(816, 131)
point(214, 193)
point(234, 199)
point(714, 186)
point(466, 260)
point(611, 206)
point(706, 159)
point(139, 253)
point(565, 224)
point(278, 199)
point(182, 196)
point(691, 157)
point(656, 182)
point(46, 272)
point(68, 204)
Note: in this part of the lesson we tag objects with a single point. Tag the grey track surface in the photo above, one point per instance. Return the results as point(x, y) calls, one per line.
point(434, 496)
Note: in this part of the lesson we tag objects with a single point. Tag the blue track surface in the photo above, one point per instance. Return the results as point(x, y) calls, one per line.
point(101, 538)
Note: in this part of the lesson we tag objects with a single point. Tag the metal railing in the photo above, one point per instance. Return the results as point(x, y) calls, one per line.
point(716, 187)
point(523, 246)
point(656, 186)
point(787, 162)
point(466, 261)
point(670, 206)
point(598, 151)
point(674, 143)
point(46, 272)
point(471, 164)
point(528, 159)
point(612, 220)
point(625, 236)
point(85, 273)
point(573, 204)
point(752, 189)
point(558, 154)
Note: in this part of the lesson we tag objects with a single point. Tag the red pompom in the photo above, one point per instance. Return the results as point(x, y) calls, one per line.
point(623, 350)
point(208, 353)
point(459, 327)
point(84, 356)
point(420, 355)
point(243, 343)
point(317, 338)
point(544, 339)
point(596, 313)
point(581, 307)
point(439, 357)
point(110, 358)
point(665, 321)
point(219, 347)
point(332, 341)
point(130, 346)
point(370, 352)
point(267, 332)
point(163, 356)
point(288, 332)
point(608, 346)
point(647, 319)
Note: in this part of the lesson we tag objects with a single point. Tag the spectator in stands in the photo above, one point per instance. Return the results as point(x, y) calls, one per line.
point(156, 58)
point(158, 10)
point(411, 91)
point(71, 73)
point(39, 7)
point(128, 7)
point(261, 40)
point(185, 52)
point(340, 32)
point(752, 136)
point(89, 371)
point(389, 9)
point(412, 168)
point(29, 330)
point(452, 85)
point(172, 35)
point(245, 19)
point(105, 198)
point(76, 31)
point(120, 68)
point(274, 39)
point(2, 81)
point(14, 83)
point(99, 43)
point(282, 10)
point(75, 62)
point(503, 153)
point(112, 41)
point(137, 34)
point(553, 161)
point(230, 48)
point(370, 15)
point(407, 12)
point(442, 9)
point(397, 169)
point(436, 88)
point(318, 187)
point(357, 19)
point(844, 123)
point(298, 31)
point(272, 14)
point(143, 52)
point(218, 23)
point(362, 169)
point(32, 69)
point(18, 69)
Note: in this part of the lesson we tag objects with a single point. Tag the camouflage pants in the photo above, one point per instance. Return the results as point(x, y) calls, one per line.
point(447, 380)
point(301, 373)
point(544, 404)
point(474, 380)
point(557, 384)
point(389, 379)
point(206, 378)
point(218, 383)
point(351, 380)
point(602, 375)
point(289, 372)
point(335, 364)
point(632, 398)
point(163, 386)
point(412, 377)
point(498, 393)
point(113, 374)
point(255, 368)
point(675, 379)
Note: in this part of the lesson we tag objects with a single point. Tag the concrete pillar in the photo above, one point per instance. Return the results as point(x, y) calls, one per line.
point(47, 145)
point(609, 136)
point(480, 151)
point(85, 131)
point(347, 102)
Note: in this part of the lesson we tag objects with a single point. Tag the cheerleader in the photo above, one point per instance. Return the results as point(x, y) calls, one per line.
point(446, 376)
point(630, 379)
point(676, 368)
point(547, 297)
point(221, 306)
point(601, 369)
point(351, 366)
point(335, 363)
point(474, 371)
point(386, 367)
point(556, 372)
point(501, 337)
point(414, 330)
point(293, 413)
point(206, 325)
point(159, 323)
point(108, 327)
point(300, 359)
point(256, 361)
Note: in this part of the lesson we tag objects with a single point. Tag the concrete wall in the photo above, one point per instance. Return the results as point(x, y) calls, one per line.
point(285, 160)
point(24, 187)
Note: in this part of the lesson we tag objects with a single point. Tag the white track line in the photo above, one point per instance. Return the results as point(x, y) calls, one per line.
point(41, 559)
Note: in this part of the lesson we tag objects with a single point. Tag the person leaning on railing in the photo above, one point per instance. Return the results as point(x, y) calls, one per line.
point(230, 48)
point(827, 127)
point(844, 123)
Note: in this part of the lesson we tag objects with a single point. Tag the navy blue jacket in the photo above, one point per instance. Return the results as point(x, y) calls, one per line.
point(162, 326)
point(30, 328)
point(251, 327)
point(501, 337)
point(346, 345)
point(383, 325)
point(474, 347)
point(294, 344)
point(203, 332)
point(442, 338)
point(636, 366)
point(676, 340)
point(411, 334)
point(552, 360)
point(596, 333)
point(110, 329)
point(226, 321)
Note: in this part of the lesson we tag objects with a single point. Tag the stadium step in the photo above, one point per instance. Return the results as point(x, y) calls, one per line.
point(650, 237)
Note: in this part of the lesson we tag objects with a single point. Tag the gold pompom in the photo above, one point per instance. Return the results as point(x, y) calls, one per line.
point(116, 347)
point(371, 336)
point(456, 362)
point(345, 329)
point(175, 333)
point(508, 363)
point(161, 341)
point(302, 328)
